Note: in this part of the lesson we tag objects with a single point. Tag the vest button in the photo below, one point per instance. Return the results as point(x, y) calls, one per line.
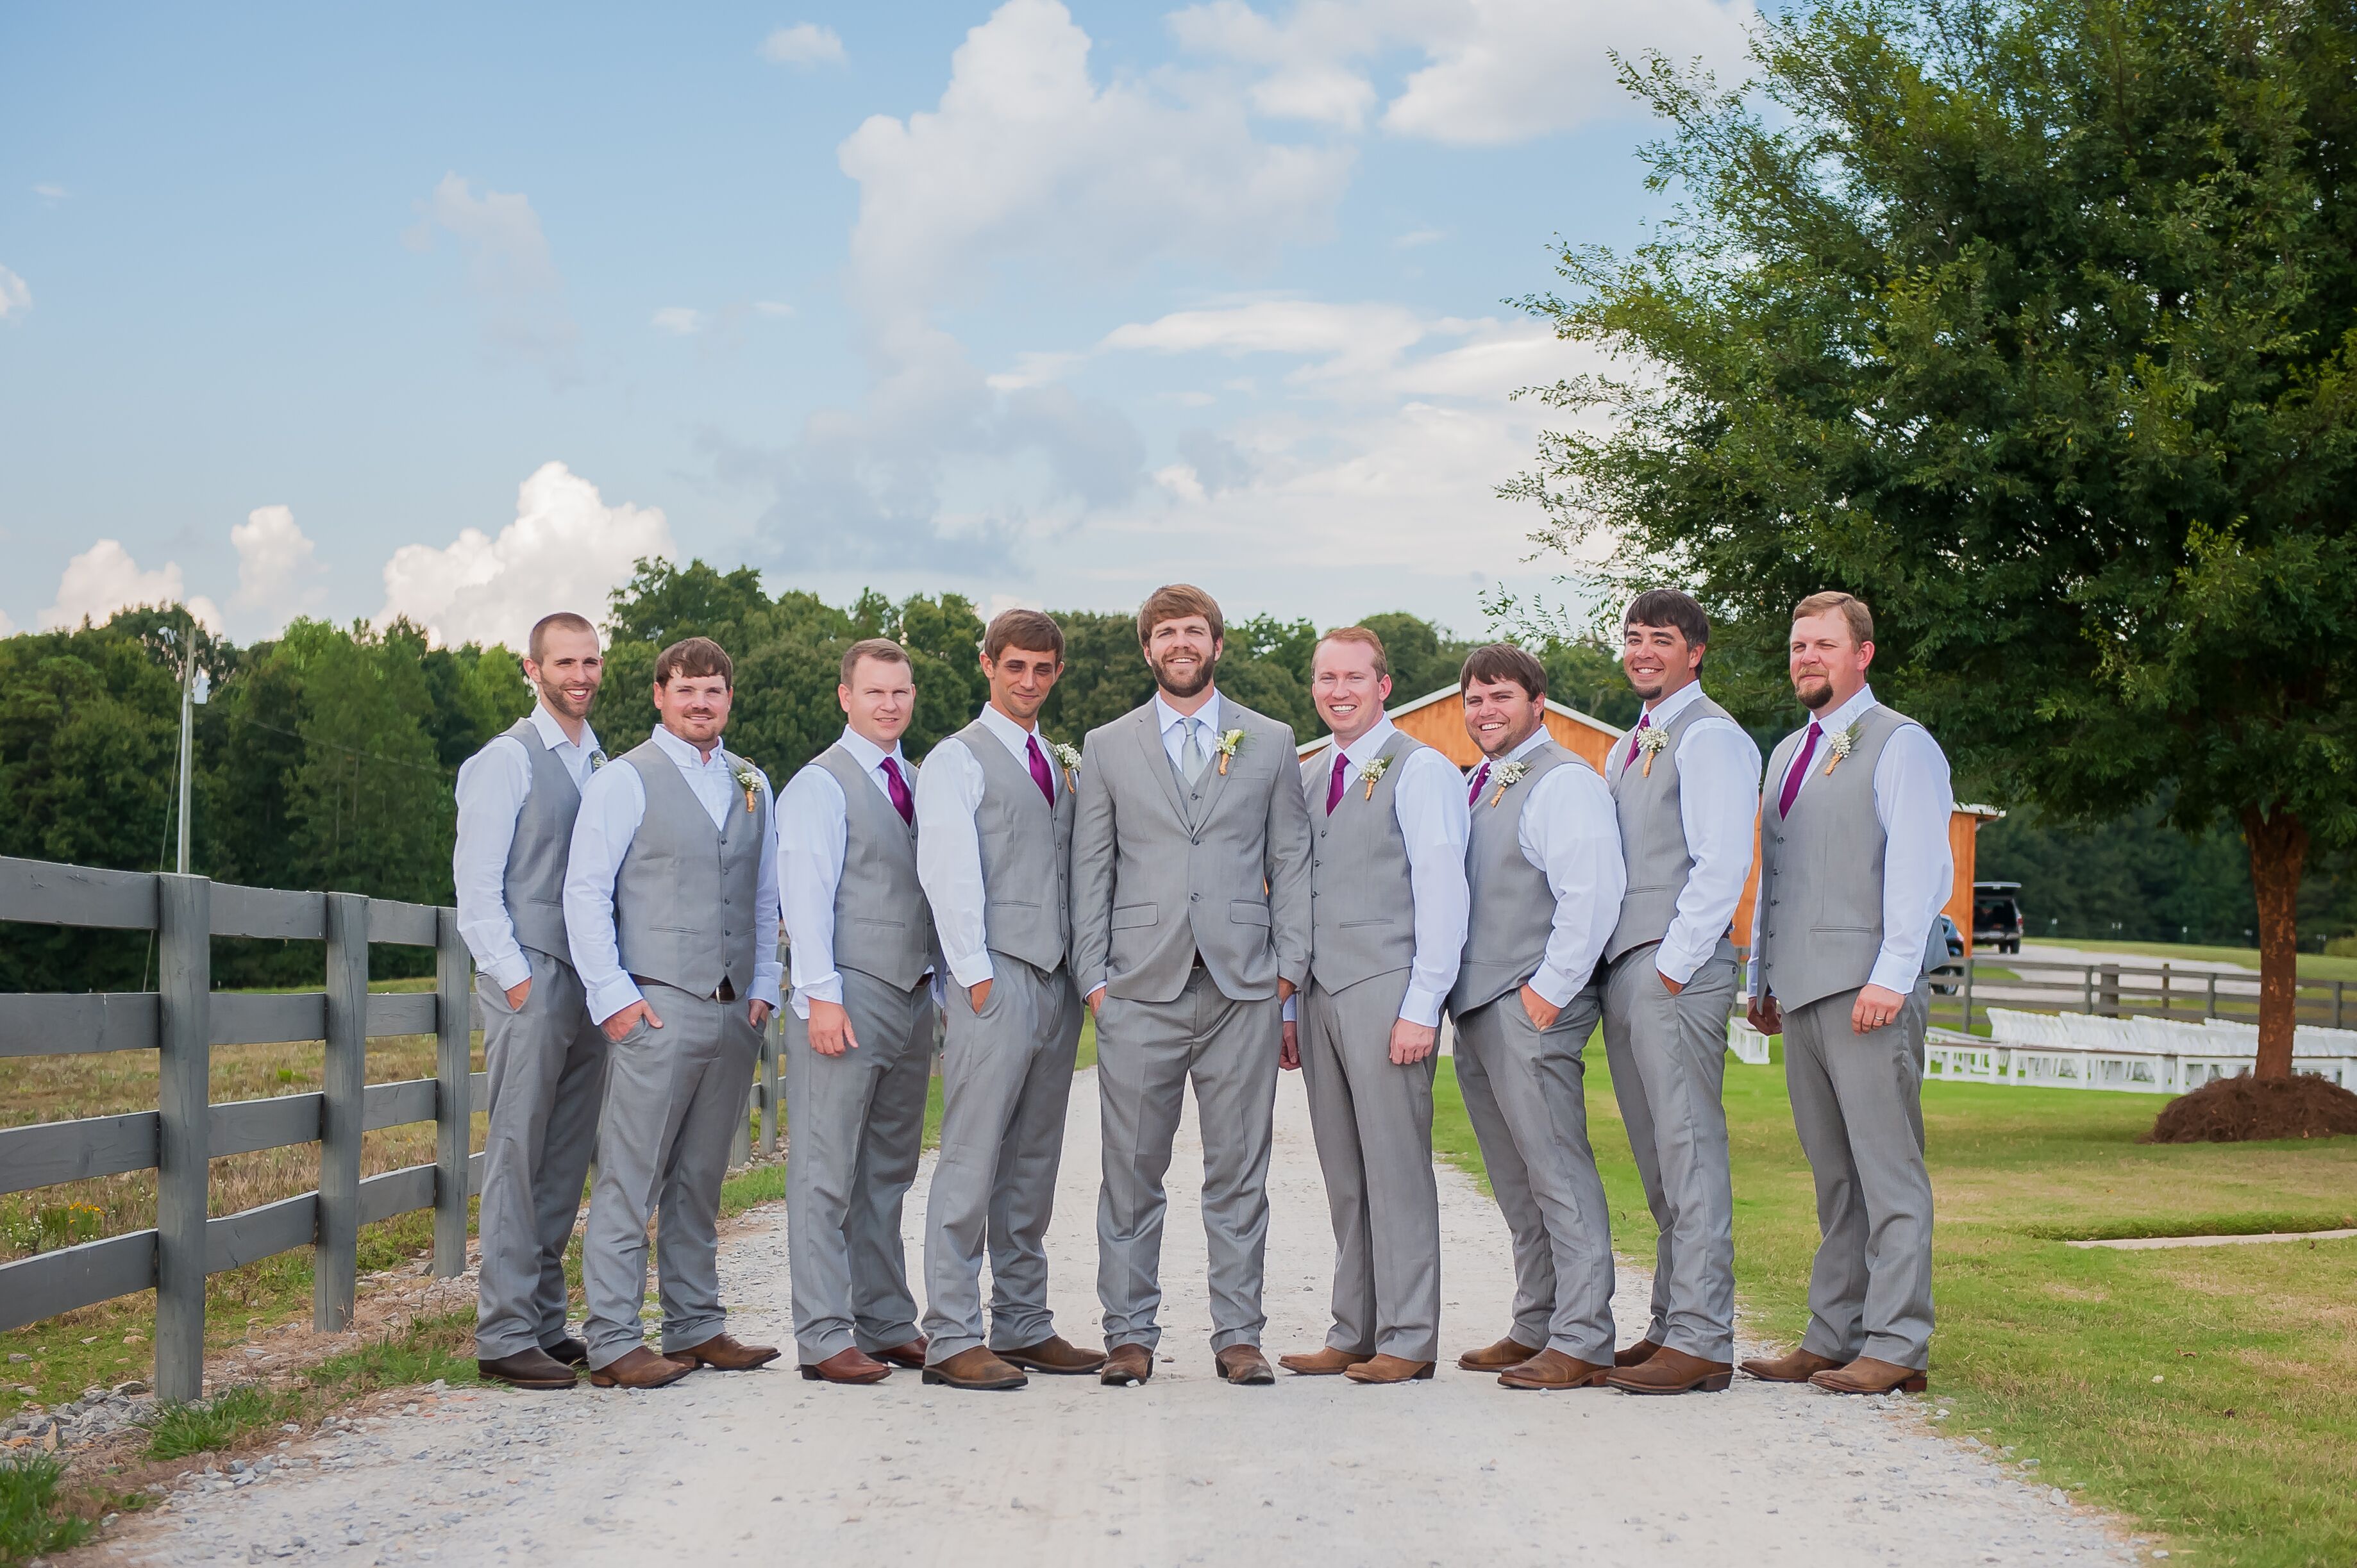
point(1194, 897)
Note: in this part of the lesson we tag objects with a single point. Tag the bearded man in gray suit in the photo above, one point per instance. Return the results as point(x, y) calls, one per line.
point(1190, 930)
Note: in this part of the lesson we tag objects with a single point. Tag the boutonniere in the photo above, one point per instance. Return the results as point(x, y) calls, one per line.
point(596, 759)
point(1649, 743)
point(748, 781)
point(1508, 775)
point(1227, 747)
point(1068, 757)
point(1842, 744)
point(1373, 770)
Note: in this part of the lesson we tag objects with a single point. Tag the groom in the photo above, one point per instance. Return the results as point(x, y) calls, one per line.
point(1191, 928)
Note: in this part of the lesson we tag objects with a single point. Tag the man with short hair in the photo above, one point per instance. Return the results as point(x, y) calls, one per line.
point(1191, 928)
point(859, 1032)
point(1543, 864)
point(1686, 787)
point(994, 851)
point(517, 801)
point(1854, 870)
point(1387, 926)
point(671, 905)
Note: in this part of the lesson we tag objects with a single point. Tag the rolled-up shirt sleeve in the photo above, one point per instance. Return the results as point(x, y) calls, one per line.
point(1914, 800)
point(613, 804)
point(813, 828)
point(768, 969)
point(949, 858)
point(492, 785)
point(1718, 806)
point(1571, 831)
point(1430, 805)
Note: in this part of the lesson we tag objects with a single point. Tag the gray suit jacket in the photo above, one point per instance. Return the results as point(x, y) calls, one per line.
point(1157, 879)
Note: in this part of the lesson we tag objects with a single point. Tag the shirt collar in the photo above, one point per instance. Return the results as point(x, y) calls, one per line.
point(553, 736)
point(869, 755)
point(679, 751)
point(1170, 717)
point(1015, 737)
point(1363, 748)
point(1849, 713)
point(1538, 738)
point(1677, 703)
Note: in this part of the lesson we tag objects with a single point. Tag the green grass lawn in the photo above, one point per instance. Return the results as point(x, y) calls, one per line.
point(2312, 965)
point(2210, 1393)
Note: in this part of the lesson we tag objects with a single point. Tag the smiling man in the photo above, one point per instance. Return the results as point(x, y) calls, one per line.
point(517, 801)
point(1190, 927)
point(859, 1035)
point(671, 905)
point(1387, 928)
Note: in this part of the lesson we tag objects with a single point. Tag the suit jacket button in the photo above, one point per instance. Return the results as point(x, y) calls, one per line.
point(1194, 897)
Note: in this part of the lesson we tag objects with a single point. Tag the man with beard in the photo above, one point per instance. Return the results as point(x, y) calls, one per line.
point(1191, 928)
point(1686, 785)
point(517, 800)
point(1854, 868)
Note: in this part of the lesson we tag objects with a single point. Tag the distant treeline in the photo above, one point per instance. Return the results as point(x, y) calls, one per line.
point(325, 757)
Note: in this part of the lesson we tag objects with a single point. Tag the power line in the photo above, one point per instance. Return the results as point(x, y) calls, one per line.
point(336, 746)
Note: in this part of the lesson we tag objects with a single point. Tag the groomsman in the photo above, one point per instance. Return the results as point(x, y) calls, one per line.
point(671, 905)
point(1542, 861)
point(859, 1039)
point(1191, 928)
point(1387, 926)
point(517, 800)
point(1854, 838)
point(994, 851)
point(1687, 787)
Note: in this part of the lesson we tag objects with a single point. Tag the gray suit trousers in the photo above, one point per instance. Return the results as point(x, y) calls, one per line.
point(856, 1127)
point(547, 1069)
point(1373, 1125)
point(1147, 1053)
point(1006, 1080)
point(675, 1099)
point(1526, 1093)
point(1857, 1104)
point(1669, 1071)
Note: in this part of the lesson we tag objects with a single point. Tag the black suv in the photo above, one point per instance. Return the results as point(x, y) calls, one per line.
point(1996, 914)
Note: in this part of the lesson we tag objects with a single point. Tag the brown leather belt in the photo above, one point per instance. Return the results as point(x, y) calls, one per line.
point(726, 992)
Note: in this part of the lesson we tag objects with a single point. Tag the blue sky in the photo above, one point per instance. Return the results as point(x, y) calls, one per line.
point(453, 312)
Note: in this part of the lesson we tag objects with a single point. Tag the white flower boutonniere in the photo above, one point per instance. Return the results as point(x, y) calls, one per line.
point(1373, 771)
point(1227, 747)
point(597, 760)
point(1068, 757)
point(748, 781)
point(1507, 776)
point(1842, 744)
point(1649, 743)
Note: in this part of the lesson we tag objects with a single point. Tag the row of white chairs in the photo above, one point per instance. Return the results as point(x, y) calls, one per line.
point(2144, 1056)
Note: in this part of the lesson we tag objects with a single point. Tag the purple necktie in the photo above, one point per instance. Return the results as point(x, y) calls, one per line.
point(1480, 778)
point(1039, 774)
point(897, 788)
point(1800, 771)
point(1644, 723)
point(1334, 789)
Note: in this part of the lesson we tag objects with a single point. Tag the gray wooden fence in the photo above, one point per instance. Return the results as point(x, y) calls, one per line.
point(182, 1021)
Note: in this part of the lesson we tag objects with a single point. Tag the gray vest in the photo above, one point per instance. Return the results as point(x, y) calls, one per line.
point(1027, 854)
point(883, 926)
point(684, 897)
point(543, 838)
point(1819, 920)
point(1513, 907)
point(1362, 902)
point(1652, 835)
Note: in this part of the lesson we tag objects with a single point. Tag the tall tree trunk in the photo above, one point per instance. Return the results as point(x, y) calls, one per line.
point(2279, 846)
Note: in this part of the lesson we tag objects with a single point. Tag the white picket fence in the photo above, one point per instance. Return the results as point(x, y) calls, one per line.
point(2136, 1056)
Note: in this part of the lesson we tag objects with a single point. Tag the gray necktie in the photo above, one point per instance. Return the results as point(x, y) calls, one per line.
point(1191, 755)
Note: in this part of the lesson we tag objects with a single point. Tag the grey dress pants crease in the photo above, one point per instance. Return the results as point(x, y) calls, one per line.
point(1372, 1122)
point(856, 1127)
point(1668, 1056)
point(1007, 1081)
point(1146, 1054)
point(1525, 1094)
point(546, 1064)
point(1857, 1104)
point(674, 1097)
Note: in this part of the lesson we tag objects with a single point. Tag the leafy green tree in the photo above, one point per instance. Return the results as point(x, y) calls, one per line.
point(2032, 322)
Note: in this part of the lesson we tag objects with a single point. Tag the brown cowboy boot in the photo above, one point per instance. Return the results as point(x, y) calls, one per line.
point(1242, 1365)
point(911, 1355)
point(1637, 1354)
point(1796, 1366)
point(1554, 1369)
point(848, 1365)
point(1668, 1371)
point(1127, 1366)
point(1389, 1369)
point(977, 1366)
point(1507, 1352)
point(1868, 1376)
point(639, 1368)
point(1056, 1356)
point(725, 1354)
point(1323, 1362)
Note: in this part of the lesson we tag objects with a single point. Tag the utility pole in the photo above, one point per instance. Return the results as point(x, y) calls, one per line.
point(188, 727)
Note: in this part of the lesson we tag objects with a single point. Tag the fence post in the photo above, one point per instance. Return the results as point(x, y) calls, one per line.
point(773, 1045)
point(335, 1257)
point(2211, 1004)
point(1969, 963)
point(2089, 978)
point(2336, 1002)
point(184, 928)
point(453, 1113)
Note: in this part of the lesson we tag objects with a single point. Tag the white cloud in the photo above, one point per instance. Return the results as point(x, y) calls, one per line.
point(678, 319)
point(52, 194)
point(566, 549)
point(774, 309)
point(804, 43)
point(1414, 237)
point(1032, 369)
point(277, 569)
point(104, 579)
point(15, 297)
point(509, 268)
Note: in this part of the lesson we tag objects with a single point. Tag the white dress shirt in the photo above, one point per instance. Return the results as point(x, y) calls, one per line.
point(1174, 728)
point(492, 788)
point(813, 829)
point(949, 850)
point(1429, 803)
point(1719, 805)
point(1571, 831)
point(1913, 800)
point(613, 804)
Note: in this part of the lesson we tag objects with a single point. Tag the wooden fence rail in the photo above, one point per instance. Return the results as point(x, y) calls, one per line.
point(1967, 987)
point(182, 1020)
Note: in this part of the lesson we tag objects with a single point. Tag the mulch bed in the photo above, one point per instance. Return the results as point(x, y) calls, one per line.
point(2240, 1109)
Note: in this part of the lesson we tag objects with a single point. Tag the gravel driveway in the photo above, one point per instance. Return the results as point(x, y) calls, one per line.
point(765, 1468)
